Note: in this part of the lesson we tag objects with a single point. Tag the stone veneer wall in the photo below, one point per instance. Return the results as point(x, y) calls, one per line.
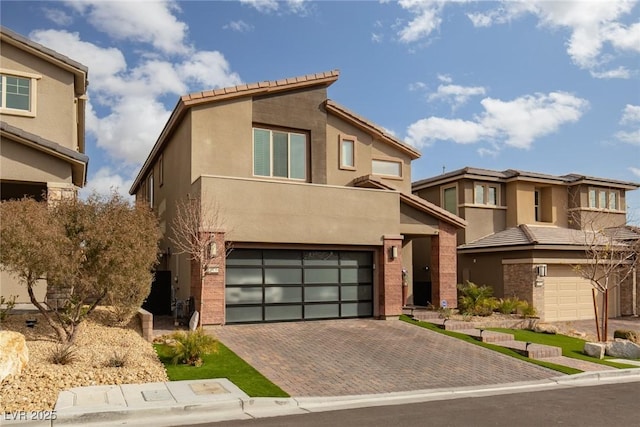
point(391, 279)
point(627, 295)
point(520, 281)
point(208, 294)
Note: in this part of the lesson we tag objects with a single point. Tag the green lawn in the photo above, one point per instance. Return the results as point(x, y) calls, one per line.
point(571, 347)
point(223, 364)
point(564, 369)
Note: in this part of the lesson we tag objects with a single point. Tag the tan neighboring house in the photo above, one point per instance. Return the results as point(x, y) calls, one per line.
point(42, 108)
point(316, 202)
point(526, 234)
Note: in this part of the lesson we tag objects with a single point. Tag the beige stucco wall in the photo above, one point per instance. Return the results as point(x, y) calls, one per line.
point(19, 162)
point(283, 212)
point(56, 111)
point(10, 285)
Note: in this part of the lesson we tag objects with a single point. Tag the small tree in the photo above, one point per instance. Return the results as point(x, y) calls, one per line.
point(98, 250)
point(194, 225)
point(611, 257)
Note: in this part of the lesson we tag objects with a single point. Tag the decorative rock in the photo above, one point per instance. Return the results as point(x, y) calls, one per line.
point(193, 322)
point(623, 349)
point(595, 349)
point(14, 354)
point(545, 328)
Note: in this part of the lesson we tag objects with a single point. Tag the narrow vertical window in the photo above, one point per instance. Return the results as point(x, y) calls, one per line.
point(261, 152)
point(479, 194)
point(347, 153)
point(161, 170)
point(536, 205)
point(592, 198)
point(150, 189)
point(613, 200)
point(450, 200)
point(492, 196)
point(602, 199)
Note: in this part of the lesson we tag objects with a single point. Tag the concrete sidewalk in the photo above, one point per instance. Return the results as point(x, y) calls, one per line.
point(205, 401)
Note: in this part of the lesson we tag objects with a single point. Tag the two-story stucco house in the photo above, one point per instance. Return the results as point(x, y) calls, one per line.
point(316, 201)
point(42, 145)
point(526, 234)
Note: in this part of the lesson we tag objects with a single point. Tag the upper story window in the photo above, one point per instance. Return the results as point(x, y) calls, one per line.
point(150, 189)
point(537, 213)
point(450, 199)
point(161, 170)
point(17, 94)
point(279, 154)
point(347, 152)
point(604, 199)
point(389, 168)
point(485, 194)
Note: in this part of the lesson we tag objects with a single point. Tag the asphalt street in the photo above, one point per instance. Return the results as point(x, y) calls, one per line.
point(612, 405)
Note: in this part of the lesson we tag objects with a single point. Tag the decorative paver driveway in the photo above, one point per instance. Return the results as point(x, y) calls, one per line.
point(341, 357)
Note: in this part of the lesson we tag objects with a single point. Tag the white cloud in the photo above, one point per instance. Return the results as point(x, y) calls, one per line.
point(593, 25)
point(376, 38)
point(456, 95)
point(150, 22)
point(630, 114)
point(426, 19)
point(616, 73)
point(445, 78)
point(517, 123)
point(298, 7)
point(105, 181)
point(58, 16)
point(630, 118)
point(239, 26)
point(417, 86)
point(125, 113)
point(635, 171)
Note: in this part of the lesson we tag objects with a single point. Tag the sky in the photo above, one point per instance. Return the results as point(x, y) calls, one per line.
point(542, 86)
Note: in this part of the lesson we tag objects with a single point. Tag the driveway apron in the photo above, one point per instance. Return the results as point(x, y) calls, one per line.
point(343, 357)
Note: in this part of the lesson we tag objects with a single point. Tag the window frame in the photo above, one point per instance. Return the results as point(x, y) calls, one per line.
point(537, 205)
point(161, 170)
point(399, 162)
point(150, 192)
point(33, 90)
point(604, 194)
point(289, 132)
point(341, 160)
point(485, 194)
point(443, 191)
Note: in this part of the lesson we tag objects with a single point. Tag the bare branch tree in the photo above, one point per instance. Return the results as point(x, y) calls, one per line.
point(611, 257)
point(194, 227)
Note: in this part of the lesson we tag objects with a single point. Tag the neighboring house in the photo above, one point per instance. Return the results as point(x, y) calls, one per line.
point(315, 200)
point(526, 234)
point(42, 107)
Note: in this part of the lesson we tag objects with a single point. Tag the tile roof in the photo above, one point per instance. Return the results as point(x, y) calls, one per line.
point(510, 174)
point(529, 235)
point(315, 79)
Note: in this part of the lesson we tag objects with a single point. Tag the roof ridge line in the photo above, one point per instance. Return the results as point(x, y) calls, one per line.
point(528, 233)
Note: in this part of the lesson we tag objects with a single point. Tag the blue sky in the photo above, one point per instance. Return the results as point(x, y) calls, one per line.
point(543, 86)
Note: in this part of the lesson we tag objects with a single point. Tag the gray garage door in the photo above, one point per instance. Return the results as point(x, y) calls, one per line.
point(284, 285)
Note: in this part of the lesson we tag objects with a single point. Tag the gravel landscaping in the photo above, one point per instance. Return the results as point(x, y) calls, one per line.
point(38, 386)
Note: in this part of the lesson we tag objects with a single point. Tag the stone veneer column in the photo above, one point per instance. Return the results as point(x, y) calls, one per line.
point(444, 266)
point(520, 281)
point(391, 278)
point(208, 294)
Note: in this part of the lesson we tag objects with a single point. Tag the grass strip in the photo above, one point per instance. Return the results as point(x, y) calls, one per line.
point(506, 351)
point(571, 346)
point(222, 364)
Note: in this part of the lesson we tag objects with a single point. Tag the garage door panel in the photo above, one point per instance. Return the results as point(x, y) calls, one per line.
point(281, 285)
point(567, 296)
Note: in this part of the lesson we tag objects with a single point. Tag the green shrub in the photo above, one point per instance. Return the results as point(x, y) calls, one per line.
point(189, 347)
point(508, 305)
point(445, 312)
point(476, 300)
point(63, 354)
point(6, 305)
point(526, 310)
point(627, 334)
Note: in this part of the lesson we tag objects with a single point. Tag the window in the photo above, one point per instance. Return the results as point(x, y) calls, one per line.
point(485, 194)
point(450, 199)
point(150, 189)
point(387, 168)
point(604, 199)
point(16, 93)
point(347, 152)
point(279, 154)
point(536, 205)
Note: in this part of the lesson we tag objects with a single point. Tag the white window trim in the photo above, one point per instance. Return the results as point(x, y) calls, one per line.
point(389, 160)
point(607, 192)
point(485, 201)
point(33, 90)
point(442, 191)
point(341, 163)
point(288, 132)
